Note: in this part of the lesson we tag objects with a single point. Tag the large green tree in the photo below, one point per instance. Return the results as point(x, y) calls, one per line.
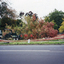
point(55, 16)
point(7, 15)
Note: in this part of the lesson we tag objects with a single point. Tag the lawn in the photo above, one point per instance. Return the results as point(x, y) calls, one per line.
point(33, 43)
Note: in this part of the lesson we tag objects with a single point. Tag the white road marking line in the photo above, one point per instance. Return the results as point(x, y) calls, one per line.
point(29, 51)
point(26, 50)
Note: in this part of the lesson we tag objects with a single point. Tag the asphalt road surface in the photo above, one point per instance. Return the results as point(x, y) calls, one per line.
point(32, 54)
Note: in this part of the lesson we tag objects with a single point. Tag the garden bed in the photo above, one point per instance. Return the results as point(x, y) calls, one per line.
point(58, 37)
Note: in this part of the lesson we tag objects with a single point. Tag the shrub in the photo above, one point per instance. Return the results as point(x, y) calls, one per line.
point(38, 28)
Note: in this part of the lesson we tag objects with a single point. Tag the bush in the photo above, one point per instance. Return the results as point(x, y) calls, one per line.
point(35, 28)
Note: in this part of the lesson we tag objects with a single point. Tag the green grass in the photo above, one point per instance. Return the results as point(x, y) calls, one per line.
point(34, 43)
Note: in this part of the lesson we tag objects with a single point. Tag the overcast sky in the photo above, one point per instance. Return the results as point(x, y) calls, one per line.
point(41, 7)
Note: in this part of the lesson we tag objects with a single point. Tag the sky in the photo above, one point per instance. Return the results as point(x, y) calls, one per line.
point(40, 7)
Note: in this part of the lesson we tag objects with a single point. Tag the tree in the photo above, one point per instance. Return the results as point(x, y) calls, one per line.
point(21, 14)
point(33, 28)
point(28, 23)
point(15, 29)
point(56, 16)
point(30, 13)
point(5, 11)
point(19, 22)
point(61, 29)
point(8, 21)
point(37, 28)
point(7, 15)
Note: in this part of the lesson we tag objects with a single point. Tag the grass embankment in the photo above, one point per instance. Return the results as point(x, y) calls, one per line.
point(33, 43)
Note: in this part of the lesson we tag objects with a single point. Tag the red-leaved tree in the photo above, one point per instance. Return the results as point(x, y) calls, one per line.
point(38, 28)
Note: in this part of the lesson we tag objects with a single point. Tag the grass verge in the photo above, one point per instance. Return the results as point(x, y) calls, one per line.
point(33, 43)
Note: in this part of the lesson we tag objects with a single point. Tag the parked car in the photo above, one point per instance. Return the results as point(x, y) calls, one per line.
point(14, 36)
point(11, 35)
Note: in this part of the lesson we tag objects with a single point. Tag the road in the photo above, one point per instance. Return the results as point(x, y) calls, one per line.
point(32, 54)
